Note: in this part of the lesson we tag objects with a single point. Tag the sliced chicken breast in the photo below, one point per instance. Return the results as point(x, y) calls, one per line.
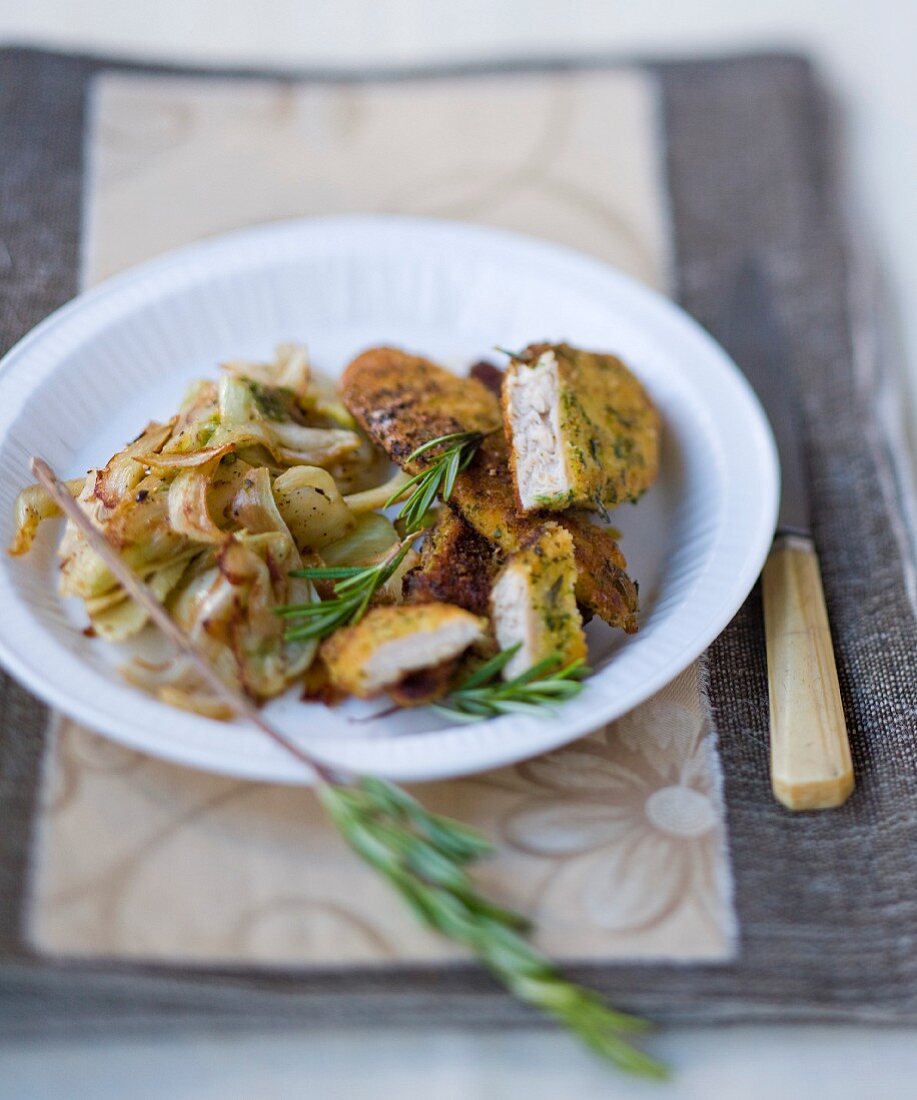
point(403, 401)
point(531, 406)
point(391, 643)
point(582, 430)
point(457, 565)
point(603, 586)
point(533, 603)
point(484, 496)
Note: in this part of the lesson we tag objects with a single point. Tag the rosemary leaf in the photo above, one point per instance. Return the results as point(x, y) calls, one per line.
point(485, 695)
point(489, 670)
point(516, 355)
point(353, 592)
point(435, 480)
point(330, 572)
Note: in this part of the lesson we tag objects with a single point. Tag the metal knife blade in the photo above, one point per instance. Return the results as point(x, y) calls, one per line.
point(753, 336)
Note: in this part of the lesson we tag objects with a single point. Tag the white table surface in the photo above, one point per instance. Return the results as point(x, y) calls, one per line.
point(741, 1063)
point(865, 51)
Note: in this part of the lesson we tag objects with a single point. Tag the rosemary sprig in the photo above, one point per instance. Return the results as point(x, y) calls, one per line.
point(354, 588)
point(484, 695)
point(435, 480)
point(424, 856)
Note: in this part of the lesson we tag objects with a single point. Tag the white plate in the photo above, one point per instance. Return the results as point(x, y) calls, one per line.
point(88, 378)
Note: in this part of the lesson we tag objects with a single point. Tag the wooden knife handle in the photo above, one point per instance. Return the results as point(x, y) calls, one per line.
point(810, 754)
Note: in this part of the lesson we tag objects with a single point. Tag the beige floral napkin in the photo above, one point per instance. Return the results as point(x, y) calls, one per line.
point(617, 845)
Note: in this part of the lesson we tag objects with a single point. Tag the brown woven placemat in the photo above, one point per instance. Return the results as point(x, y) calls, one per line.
point(827, 903)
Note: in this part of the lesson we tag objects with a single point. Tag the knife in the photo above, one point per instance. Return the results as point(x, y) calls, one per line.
point(810, 763)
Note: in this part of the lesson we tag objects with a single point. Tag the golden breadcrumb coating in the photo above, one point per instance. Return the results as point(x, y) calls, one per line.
point(484, 496)
point(391, 643)
point(457, 565)
point(533, 603)
point(589, 437)
point(403, 401)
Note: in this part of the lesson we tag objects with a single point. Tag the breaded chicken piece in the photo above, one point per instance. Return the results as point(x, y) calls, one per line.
point(391, 643)
point(533, 604)
point(457, 566)
point(602, 584)
point(402, 401)
point(583, 432)
point(484, 496)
